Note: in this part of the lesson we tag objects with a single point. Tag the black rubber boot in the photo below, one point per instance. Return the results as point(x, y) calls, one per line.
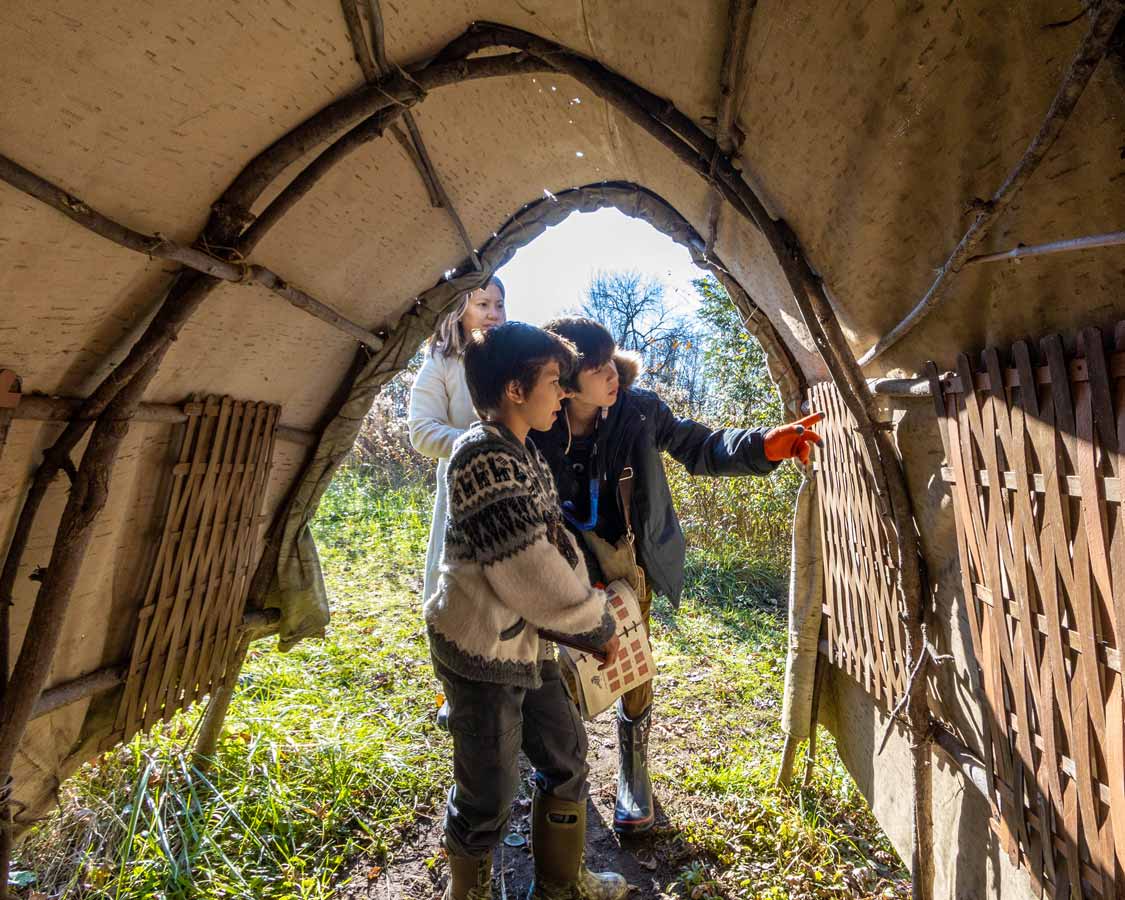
point(634, 812)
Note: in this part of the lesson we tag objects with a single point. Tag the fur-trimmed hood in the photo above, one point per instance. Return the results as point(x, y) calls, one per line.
point(630, 365)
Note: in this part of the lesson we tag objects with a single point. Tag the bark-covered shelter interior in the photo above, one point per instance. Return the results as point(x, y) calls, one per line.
point(224, 226)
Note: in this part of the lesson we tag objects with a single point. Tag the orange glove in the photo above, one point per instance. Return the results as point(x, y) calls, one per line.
point(793, 441)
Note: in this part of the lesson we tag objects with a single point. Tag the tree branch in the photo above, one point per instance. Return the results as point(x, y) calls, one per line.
point(372, 69)
point(165, 248)
point(1090, 52)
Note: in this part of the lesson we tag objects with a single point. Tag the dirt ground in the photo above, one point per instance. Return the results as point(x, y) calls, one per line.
point(649, 861)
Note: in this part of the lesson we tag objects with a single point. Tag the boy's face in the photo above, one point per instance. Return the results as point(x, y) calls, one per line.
point(599, 387)
point(540, 406)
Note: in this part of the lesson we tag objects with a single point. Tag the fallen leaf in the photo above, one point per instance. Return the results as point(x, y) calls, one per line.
point(374, 872)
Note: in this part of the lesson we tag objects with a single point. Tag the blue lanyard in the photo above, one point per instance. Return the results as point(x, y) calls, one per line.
point(569, 510)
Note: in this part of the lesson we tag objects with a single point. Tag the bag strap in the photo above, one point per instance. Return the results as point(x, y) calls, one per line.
point(625, 492)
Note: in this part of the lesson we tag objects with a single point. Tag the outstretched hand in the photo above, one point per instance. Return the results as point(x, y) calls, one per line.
point(793, 441)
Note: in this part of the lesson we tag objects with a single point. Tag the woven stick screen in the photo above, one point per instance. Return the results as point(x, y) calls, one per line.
point(863, 607)
point(189, 628)
point(1034, 440)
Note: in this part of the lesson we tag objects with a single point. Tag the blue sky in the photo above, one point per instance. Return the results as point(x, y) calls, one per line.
point(551, 273)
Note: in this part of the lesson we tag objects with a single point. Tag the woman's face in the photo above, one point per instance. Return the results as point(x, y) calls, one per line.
point(484, 311)
point(598, 387)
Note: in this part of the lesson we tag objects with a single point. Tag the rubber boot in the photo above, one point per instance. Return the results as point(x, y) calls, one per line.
point(470, 878)
point(634, 811)
point(558, 846)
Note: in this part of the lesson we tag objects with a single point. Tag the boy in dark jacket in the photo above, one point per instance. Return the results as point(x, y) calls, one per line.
point(605, 453)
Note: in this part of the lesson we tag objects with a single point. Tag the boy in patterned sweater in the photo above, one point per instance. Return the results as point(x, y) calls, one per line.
point(509, 568)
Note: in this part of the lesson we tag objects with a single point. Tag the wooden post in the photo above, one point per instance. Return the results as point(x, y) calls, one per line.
point(818, 683)
point(9, 398)
point(211, 728)
point(5, 836)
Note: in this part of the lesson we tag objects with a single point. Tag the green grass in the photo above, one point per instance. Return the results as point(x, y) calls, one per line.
point(331, 752)
point(722, 662)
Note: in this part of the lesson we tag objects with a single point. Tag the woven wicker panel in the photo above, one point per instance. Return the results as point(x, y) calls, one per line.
point(863, 606)
point(189, 627)
point(1034, 442)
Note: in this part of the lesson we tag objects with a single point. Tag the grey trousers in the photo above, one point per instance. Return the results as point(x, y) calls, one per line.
point(490, 724)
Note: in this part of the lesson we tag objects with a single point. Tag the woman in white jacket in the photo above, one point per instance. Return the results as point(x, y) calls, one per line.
point(440, 406)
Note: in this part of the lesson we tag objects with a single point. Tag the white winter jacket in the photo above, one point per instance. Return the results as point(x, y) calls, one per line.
point(440, 411)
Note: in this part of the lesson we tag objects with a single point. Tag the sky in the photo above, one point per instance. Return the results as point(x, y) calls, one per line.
point(550, 274)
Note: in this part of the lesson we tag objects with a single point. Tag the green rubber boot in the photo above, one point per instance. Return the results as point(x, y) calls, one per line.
point(558, 845)
point(470, 878)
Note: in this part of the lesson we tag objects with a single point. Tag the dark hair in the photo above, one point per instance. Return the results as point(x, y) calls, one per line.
point(592, 340)
point(512, 352)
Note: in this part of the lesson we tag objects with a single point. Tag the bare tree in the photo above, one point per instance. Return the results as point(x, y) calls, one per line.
point(632, 306)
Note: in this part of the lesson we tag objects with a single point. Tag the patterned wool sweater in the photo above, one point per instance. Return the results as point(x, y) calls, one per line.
point(508, 567)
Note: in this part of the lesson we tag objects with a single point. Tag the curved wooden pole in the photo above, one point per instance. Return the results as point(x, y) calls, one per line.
point(231, 212)
point(1089, 242)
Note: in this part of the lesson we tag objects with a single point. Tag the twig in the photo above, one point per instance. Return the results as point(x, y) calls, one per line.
point(970, 765)
point(379, 48)
point(412, 151)
point(896, 712)
point(372, 69)
point(360, 49)
point(378, 34)
point(1090, 52)
point(439, 197)
point(1111, 239)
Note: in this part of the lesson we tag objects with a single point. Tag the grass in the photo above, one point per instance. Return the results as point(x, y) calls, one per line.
point(331, 753)
point(722, 660)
